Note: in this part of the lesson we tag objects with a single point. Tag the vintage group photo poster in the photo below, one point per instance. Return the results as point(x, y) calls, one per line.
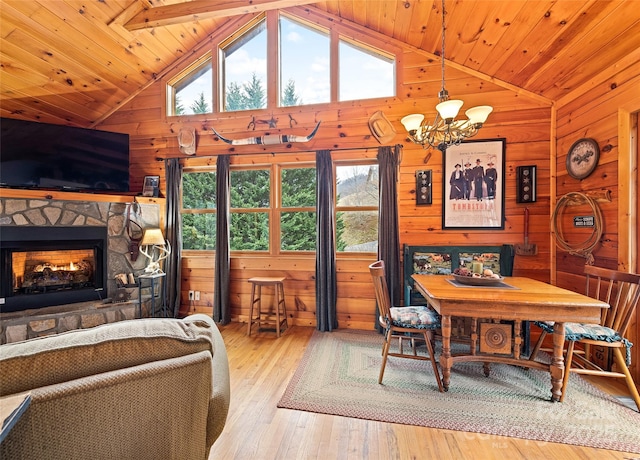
point(473, 185)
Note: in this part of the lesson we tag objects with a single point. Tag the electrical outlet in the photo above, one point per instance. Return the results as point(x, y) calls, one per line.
point(190, 295)
point(197, 295)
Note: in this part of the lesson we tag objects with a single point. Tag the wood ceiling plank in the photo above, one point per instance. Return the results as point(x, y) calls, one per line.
point(507, 53)
point(98, 36)
point(21, 78)
point(57, 68)
point(400, 26)
point(467, 19)
point(197, 10)
point(494, 29)
point(55, 33)
point(45, 106)
point(595, 50)
point(560, 27)
point(419, 11)
point(432, 38)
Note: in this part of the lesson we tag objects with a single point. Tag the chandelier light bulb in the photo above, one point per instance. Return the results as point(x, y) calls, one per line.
point(479, 114)
point(448, 110)
point(412, 122)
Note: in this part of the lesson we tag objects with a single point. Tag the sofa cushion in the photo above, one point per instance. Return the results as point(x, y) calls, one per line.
point(54, 359)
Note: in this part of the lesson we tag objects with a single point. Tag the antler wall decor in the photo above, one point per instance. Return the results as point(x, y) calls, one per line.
point(269, 139)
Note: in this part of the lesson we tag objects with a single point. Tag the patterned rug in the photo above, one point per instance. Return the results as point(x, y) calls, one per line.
point(338, 375)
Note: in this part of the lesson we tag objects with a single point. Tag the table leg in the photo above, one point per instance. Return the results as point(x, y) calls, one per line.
point(445, 357)
point(556, 369)
point(517, 338)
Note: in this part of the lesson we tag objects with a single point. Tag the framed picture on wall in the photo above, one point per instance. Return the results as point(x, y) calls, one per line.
point(151, 186)
point(473, 185)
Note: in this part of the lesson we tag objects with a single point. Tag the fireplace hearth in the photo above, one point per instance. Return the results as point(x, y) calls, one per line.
point(49, 266)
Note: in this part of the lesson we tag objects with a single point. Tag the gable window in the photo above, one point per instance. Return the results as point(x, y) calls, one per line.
point(192, 91)
point(315, 65)
point(365, 73)
point(244, 70)
point(304, 63)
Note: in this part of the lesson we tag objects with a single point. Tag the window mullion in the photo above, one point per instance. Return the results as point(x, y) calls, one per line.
point(273, 89)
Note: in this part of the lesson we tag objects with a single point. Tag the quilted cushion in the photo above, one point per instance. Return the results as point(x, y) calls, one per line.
point(418, 317)
point(579, 331)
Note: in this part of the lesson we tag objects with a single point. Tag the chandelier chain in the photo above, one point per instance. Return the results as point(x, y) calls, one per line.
point(443, 45)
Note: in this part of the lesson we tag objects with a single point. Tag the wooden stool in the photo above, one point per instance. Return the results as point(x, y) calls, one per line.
point(256, 297)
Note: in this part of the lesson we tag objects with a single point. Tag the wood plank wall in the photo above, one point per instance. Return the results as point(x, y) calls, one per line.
point(595, 113)
point(523, 121)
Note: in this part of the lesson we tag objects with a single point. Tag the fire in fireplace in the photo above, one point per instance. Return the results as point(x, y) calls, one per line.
point(46, 266)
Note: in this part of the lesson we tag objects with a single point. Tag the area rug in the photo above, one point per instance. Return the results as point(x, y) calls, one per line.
point(338, 375)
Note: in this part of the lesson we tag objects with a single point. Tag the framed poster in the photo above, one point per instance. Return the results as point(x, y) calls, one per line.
point(473, 185)
point(151, 186)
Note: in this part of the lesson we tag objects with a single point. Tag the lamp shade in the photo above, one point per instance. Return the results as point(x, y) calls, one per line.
point(478, 114)
point(449, 109)
point(152, 236)
point(412, 122)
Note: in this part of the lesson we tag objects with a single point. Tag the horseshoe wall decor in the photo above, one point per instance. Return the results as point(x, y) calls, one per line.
point(269, 139)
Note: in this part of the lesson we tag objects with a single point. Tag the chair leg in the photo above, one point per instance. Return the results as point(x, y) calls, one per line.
point(617, 352)
point(432, 357)
point(537, 346)
point(567, 368)
point(385, 353)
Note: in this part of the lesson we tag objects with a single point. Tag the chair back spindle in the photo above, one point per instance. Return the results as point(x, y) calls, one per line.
point(620, 290)
point(382, 293)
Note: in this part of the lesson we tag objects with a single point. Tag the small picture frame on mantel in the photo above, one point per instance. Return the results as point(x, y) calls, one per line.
point(151, 186)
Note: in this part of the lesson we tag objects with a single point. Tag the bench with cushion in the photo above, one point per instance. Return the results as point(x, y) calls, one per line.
point(443, 260)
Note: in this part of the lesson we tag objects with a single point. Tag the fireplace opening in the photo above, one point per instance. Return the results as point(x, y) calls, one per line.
point(48, 266)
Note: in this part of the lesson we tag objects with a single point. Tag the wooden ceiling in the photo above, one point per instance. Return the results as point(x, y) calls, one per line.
point(76, 61)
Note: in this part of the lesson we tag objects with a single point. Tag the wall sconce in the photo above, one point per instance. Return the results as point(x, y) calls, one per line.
point(156, 248)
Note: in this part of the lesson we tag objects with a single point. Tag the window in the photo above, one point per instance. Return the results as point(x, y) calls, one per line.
point(250, 209)
point(192, 92)
point(273, 208)
point(357, 207)
point(199, 210)
point(304, 64)
point(303, 71)
point(298, 209)
point(244, 70)
point(364, 73)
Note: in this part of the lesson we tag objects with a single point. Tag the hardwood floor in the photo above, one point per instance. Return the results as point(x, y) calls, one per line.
point(261, 367)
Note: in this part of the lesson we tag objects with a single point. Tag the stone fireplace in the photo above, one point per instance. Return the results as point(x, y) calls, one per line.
point(45, 292)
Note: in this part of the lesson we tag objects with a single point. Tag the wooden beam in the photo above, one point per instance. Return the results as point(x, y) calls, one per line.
point(198, 10)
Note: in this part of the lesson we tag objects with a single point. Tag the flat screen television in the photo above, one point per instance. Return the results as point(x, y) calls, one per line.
point(46, 156)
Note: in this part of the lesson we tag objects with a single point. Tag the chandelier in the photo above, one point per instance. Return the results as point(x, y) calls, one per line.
point(445, 130)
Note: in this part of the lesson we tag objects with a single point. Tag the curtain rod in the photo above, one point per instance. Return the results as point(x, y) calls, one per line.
point(274, 153)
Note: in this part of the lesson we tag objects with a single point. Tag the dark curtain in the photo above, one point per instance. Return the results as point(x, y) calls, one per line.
point(388, 233)
point(173, 234)
point(325, 244)
point(221, 307)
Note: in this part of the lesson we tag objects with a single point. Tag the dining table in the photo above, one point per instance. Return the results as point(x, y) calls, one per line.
point(497, 310)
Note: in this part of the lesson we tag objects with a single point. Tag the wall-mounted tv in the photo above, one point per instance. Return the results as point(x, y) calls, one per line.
point(46, 156)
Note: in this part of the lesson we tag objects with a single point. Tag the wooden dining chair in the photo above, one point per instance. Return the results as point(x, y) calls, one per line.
point(621, 291)
point(402, 322)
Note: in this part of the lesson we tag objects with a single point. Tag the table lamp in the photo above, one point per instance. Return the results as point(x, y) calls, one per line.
point(155, 248)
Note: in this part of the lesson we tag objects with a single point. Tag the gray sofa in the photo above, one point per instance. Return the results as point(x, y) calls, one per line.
point(139, 389)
